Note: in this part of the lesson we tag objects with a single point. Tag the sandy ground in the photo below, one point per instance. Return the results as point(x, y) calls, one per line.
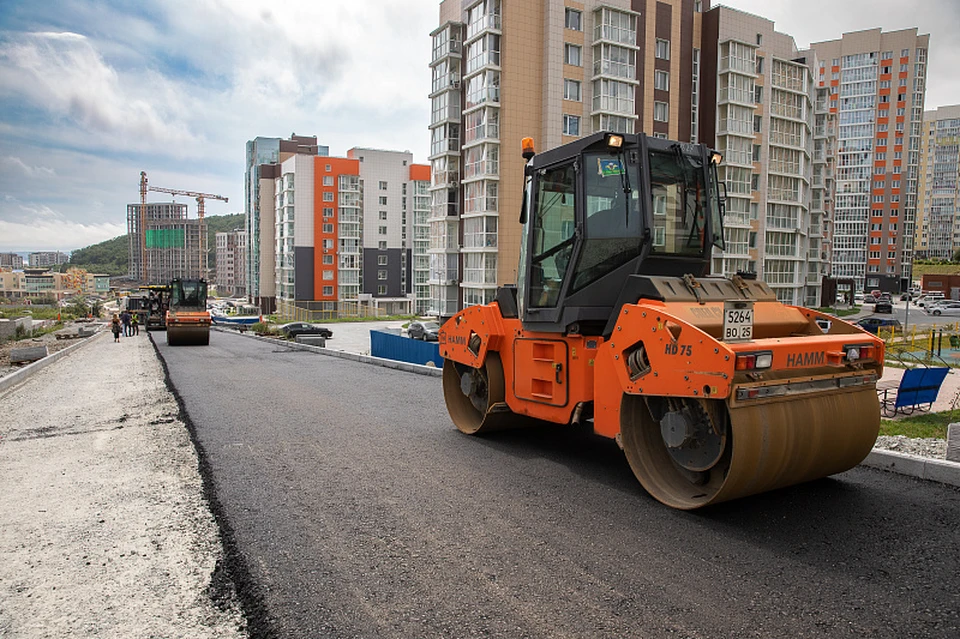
point(105, 531)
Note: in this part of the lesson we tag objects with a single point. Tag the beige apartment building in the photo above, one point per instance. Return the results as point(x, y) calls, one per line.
point(870, 94)
point(938, 199)
point(757, 108)
point(553, 70)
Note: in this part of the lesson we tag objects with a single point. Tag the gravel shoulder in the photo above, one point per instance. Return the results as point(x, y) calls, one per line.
point(106, 532)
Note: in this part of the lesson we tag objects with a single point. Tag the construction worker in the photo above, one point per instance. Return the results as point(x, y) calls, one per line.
point(135, 323)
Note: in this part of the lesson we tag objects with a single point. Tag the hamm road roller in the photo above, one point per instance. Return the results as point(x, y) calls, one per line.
point(712, 387)
point(188, 321)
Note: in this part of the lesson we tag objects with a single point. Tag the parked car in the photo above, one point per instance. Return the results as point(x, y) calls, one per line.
point(929, 298)
point(883, 306)
point(858, 298)
point(874, 324)
point(304, 328)
point(426, 331)
point(945, 307)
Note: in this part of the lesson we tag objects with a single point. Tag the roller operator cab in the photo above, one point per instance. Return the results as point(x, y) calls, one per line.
point(713, 388)
point(187, 319)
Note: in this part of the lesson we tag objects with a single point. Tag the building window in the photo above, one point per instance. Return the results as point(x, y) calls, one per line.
point(382, 245)
point(759, 65)
point(382, 289)
point(327, 212)
point(383, 185)
point(328, 180)
point(661, 80)
point(660, 136)
point(663, 49)
point(381, 260)
point(383, 215)
point(571, 125)
point(573, 19)
point(757, 123)
point(758, 94)
point(328, 228)
point(571, 90)
point(328, 244)
point(328, 275)
point(328, 259)
point(661, 112)
point(328, 196)
point(328, 290)
point(382, 274)
point(759, 39)
point(383, 200)
point(572, 55)
point(381, 230)
point(329, 168)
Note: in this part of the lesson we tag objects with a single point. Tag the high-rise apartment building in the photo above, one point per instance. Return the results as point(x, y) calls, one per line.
point(938, 201)
point(870, 92)
point(12, 260)
point(351, 232)
point(40, 259)
point(506, 69)
point(174, 245)
point(231, 263)
point(757, 110)
point(260, 223)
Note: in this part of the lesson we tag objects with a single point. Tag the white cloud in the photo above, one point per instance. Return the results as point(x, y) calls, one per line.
point(16, 165)
point(51, 234)
point(63, 74)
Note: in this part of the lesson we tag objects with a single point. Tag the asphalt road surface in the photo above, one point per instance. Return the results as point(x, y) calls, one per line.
point(352, 507)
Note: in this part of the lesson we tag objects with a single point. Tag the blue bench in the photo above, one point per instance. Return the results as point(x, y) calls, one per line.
point(917, 390)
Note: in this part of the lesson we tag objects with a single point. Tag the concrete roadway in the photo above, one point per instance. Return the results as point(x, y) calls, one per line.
point(353, 508)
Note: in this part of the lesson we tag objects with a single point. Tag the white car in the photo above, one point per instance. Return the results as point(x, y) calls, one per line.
point(945, 307)
point(930, 298)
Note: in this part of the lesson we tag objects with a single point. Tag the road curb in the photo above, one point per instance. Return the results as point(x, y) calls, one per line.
point(418, 369)
point(15, 378)
point(930, 469)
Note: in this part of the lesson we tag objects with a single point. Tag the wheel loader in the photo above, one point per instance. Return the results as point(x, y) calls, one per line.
point(188, 321)
point(713, 388)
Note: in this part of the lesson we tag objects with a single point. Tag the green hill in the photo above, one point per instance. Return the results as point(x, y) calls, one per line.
point(113, 256)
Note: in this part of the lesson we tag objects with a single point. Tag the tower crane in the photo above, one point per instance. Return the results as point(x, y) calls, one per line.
point(200, 197)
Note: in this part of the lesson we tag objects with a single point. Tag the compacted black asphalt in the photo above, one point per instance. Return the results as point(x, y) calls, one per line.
point(350, 506)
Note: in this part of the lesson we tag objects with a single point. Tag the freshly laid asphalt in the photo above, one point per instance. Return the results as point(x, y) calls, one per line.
point(532, 552)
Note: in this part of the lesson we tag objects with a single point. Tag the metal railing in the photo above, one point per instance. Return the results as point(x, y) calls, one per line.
point(290, 312)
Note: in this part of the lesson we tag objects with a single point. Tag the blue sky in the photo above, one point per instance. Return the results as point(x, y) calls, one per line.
point(94, 91)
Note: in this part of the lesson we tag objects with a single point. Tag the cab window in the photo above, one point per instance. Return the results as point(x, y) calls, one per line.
point(679, 204)
point(553, 225)
point(613, 218)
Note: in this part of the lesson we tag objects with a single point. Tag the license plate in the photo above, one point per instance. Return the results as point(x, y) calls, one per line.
point(737, 321)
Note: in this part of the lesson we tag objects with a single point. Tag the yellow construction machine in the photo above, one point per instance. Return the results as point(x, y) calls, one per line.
point(712, 387)
point(188, 321)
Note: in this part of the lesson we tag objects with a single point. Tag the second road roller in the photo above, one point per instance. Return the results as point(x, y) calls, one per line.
point(712, 387)
point(188, 320)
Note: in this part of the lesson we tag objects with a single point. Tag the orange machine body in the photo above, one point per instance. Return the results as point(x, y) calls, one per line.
point(554, 377)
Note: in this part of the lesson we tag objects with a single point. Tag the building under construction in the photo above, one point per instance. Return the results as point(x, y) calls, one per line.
point(166, 244)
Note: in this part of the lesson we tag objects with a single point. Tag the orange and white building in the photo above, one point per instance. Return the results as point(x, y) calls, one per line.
point(350, 232)
point(870, 93)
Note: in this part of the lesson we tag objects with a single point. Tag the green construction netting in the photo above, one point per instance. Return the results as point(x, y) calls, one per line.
point(165, 238)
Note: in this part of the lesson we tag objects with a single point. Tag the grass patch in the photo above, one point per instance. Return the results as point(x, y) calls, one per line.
point(839, 312)
point(921, 425)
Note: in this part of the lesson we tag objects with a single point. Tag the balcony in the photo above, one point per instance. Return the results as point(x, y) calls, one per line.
point(745, 66)
point(733, 94)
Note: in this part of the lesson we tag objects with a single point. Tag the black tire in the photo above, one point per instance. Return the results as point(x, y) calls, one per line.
point(936, 312)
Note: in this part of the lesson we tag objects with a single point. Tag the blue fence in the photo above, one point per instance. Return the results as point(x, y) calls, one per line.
point(404, 349)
